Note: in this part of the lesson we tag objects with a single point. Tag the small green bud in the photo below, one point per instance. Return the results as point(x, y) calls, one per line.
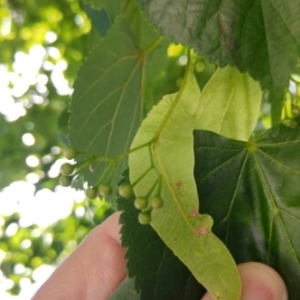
point(104, 190)
point(144, 217)
point(91, 193)
point(65, 181)
point(66, 169)
point(125, 190)
point(70, 153)
point(156, 202)
point(141, 202)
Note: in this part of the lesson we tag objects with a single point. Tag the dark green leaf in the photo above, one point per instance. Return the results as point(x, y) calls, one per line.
point(113, 8)
point(159, 274)
point(262, 37)
point(100, 19)
point(252, 191)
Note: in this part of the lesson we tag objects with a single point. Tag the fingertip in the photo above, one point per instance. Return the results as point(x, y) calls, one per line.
point(93, 270)
point(259, 282)
point(110, 228)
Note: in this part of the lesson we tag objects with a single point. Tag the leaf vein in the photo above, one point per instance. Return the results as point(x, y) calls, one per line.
point(230, 209)
point(104, 74)
point(278, 162)
point(119, 104)
point(221, 165)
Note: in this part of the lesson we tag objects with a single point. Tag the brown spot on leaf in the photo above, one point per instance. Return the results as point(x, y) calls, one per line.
point(194, 212)
point(203, 230)
point(178, 185)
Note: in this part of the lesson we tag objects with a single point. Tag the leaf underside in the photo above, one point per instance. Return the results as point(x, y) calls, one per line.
point(256, 211)
point(229, 104)
point(261, 37)
point(107, 106)
point(107, 88)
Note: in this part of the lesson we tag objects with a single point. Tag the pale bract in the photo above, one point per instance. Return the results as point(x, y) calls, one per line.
point(232, 100)
point(167, 134)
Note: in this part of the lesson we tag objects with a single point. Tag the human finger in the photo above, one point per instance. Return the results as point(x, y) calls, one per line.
point(259, 282)
point(93, 270)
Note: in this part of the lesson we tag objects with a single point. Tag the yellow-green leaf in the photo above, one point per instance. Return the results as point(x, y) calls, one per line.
point(229, 104)
point(167, 134)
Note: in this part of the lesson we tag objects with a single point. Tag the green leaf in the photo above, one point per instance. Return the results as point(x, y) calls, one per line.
point(143, 31)
point(113, 8)
point(256, 208)
point(100, 22)
point(262, 37)
point(107, 106)
point(158, 274)
point(125, 291)
point(106, 92)
point(229, 104)
point(169, 126)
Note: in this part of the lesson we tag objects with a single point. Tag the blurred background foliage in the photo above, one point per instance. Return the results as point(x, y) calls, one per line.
point(42, 45)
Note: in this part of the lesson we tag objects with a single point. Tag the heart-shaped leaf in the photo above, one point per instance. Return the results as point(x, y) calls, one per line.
point(108, 86)
point(252, 191)
point(107, 106)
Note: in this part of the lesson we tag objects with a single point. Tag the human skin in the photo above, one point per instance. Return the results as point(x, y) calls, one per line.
point(95, 269)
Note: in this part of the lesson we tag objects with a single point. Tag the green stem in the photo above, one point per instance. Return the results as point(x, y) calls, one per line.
point(142, 176)
point(153, 45)
point(153, 187)
point(178, 97)
point(104, 158)
point(125, 6)
point(112, 172)
point(106, 171)
point(123, 154)
point(159, 186)
point(151, 155)
point(83, 164)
